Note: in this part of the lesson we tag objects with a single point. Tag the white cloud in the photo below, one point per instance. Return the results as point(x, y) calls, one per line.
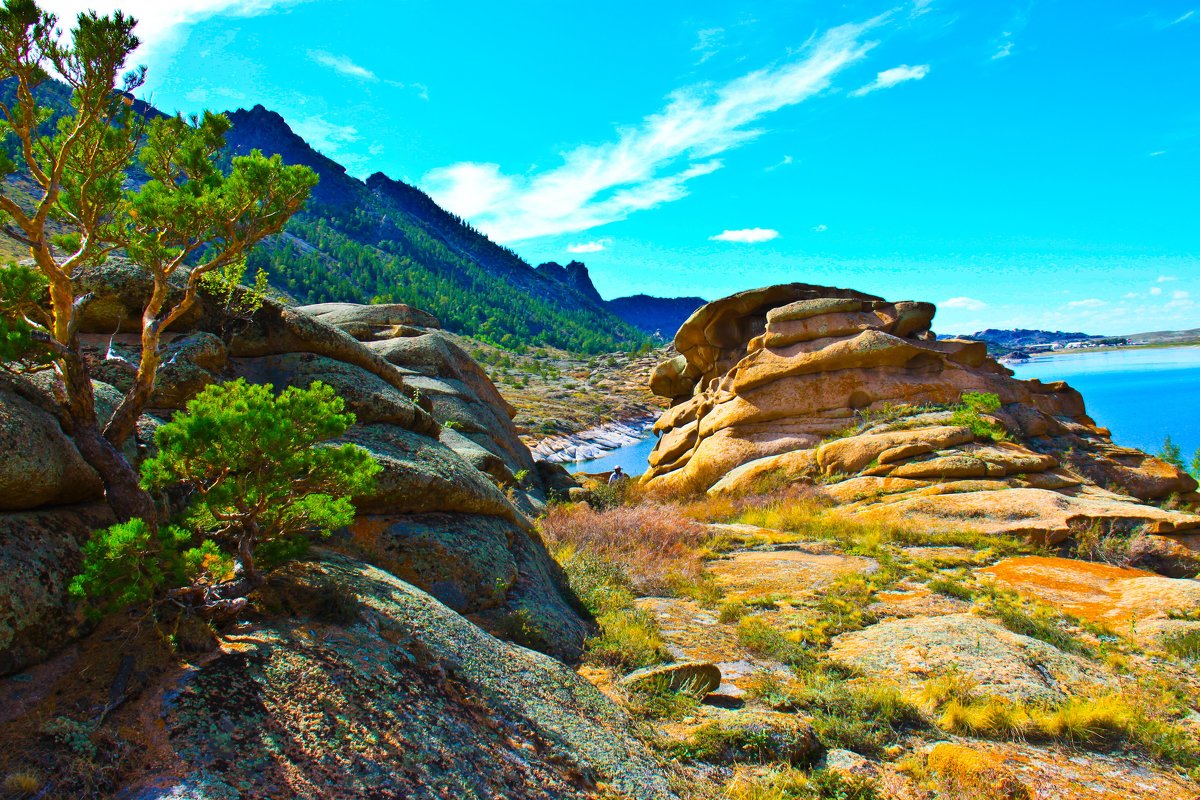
point(343, 65)
point(589, 247)
point(786, 161)
point(1155, 290)
point(648, 163)
point(1183, 17)
point(821, 228)
point(965, 303)
point(1004, 51)
point(1158, 153)
point(162, 22)
point(708, 43)
point(1166, 279)
point(325, 136)
point(1091, 302)
point(890, 77)
point(1180, 295)
point(921, 7)
point(746, 235)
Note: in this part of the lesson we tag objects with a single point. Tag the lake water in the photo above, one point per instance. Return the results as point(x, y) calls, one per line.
point(1141, 395)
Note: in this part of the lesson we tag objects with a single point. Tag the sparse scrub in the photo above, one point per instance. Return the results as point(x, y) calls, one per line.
point(952, 586)
point(655, 546)
point(1184, 645)
point(847, 713)
point(789, 783)
point(629, 637)
point(969, 414)
point(661, 702)
point(1108, 545)
point(964, 772)
point(1143, 717)
point(732, 611)
point(1033, 619)
point(764, 640)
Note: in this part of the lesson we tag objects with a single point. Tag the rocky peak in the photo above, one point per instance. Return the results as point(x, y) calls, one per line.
point(262, 129)
point(574, 275)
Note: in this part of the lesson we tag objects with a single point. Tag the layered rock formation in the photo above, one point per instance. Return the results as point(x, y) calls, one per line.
point(450, 511)
point(832, 386)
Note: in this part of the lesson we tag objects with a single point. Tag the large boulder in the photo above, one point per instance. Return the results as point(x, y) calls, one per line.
point(367, 323)
point(350, 685)
point(41, 466)
point(40, 551)
point(808, 384)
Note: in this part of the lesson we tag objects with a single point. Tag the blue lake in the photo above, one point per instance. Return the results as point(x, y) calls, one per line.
point(1140, 395)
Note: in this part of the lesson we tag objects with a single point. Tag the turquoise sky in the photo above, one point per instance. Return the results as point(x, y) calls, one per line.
point(1027, 164)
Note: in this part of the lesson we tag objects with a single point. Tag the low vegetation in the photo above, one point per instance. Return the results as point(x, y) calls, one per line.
point(261, 483)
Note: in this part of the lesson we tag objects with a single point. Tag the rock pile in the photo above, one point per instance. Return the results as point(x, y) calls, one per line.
point(450, 512)
point(832, 386)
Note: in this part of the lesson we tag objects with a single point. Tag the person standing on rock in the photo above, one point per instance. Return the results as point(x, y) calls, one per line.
point(617, 475)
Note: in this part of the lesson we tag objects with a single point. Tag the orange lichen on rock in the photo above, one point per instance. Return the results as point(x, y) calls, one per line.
point(1101, 593)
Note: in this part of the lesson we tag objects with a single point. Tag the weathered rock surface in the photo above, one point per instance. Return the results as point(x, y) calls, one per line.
point(359, 686)
point(1002, 663)
point(799, 383)
point(1121, 598)
point(40, 551)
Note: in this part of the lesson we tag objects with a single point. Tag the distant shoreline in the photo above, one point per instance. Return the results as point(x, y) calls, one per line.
point(1113, 348)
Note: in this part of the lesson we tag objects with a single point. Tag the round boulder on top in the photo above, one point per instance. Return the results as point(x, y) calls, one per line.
point(370, 322)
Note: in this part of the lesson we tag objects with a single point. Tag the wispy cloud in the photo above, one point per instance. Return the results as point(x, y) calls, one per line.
point(746, 236)
point(343, 65)
point(890, 77)
point(589, 247)
point(1091, 302)
point(1184, 17)
point(709, 42)
point(1155, 290)
point(820, 228)
point(324, 135)
point(161, 23)
point(1166, 279)
point(649, 163)
point(1006, 47)
point(920, 7)
point(1158, 153)
point(965, 303)
point(786, 161)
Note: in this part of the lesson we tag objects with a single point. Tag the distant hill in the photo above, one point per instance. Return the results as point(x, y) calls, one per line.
point(1190, 336)
point(656, 315)
point(383, 240)
point(1023, 337)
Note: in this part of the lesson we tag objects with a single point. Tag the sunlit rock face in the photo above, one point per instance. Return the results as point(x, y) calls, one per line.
point(801, 383)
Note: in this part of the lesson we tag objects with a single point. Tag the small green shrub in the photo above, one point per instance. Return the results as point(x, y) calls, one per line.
point(262, 481)
point(1184, 645)
point(952, 586)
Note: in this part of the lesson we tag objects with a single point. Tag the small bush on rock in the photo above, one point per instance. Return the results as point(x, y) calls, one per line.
point(260, 481)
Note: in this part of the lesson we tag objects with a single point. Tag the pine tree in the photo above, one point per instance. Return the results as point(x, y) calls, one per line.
point(189, 217)
point(263, 481)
